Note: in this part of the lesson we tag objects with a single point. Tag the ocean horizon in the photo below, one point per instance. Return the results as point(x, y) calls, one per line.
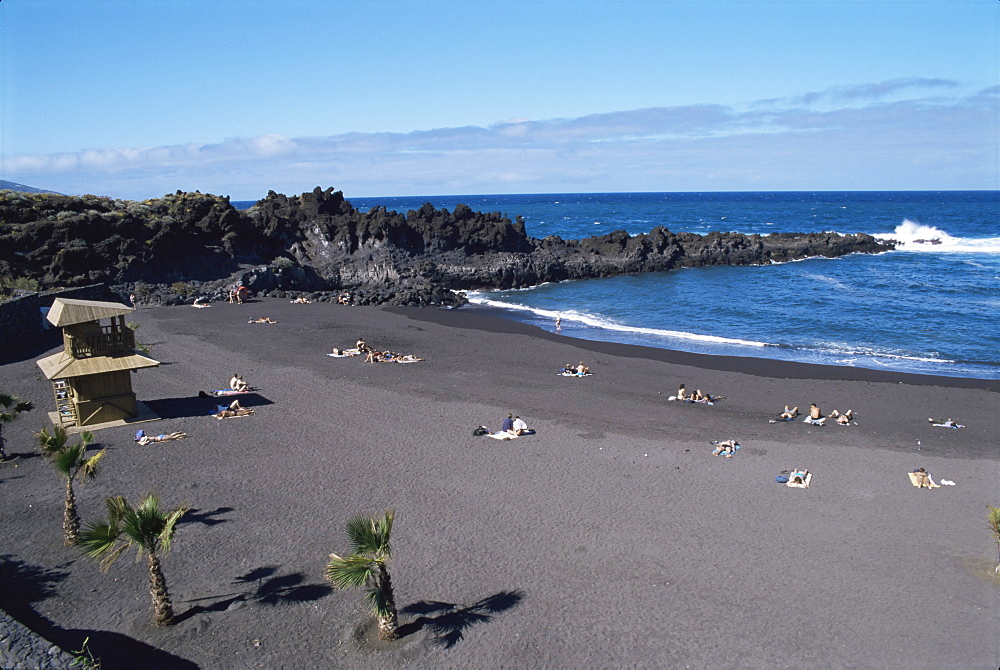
point(929, 307)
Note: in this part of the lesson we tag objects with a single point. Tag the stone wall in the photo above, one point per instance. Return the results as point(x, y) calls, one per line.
point(20, 647)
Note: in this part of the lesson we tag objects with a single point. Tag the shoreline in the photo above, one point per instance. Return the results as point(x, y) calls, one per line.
point(615, 506)
point(766, 367)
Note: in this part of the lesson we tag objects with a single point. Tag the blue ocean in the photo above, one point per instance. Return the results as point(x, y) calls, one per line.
point(929, 307)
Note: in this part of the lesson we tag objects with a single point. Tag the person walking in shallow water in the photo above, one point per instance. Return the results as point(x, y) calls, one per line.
point(558, 322)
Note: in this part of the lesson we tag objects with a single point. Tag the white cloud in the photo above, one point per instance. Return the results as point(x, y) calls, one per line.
point(865, 136)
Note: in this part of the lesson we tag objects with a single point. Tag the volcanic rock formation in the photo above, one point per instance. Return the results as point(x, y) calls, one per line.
point(318, 242)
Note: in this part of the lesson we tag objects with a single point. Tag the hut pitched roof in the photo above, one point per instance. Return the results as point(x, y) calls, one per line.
point(68, 311)
point(62, 366)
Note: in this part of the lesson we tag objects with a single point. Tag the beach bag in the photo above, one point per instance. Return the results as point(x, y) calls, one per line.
point(782, 478)
point(480, 431)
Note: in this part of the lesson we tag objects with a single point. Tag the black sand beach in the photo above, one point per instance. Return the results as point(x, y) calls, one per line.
point(611, 538)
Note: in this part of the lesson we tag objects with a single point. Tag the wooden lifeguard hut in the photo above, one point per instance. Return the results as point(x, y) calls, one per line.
point(90, 376)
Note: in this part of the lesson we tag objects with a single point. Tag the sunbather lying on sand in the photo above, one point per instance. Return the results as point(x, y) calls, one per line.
point(142, 438)
point(789, 414)
point(230, 413)
point(301, 300)
point(727, 448)
point(844, 419)
point(263, 319)
point(799, 478)
point(947, 423)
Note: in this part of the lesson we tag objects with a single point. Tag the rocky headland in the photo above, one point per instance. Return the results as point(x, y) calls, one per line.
point(171, 249)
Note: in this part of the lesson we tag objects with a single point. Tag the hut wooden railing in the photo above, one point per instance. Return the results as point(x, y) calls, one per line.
point(108, 343)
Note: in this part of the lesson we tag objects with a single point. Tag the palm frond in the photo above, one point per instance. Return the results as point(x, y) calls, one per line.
point(100, 540)
point(90, 466)
point(117, 505)
point(350, 572)
point(384, 532)
point(86, 438)
point(377, 601)
point(370, 535)
point(170, 527)
point(67, 459)
point(993, 521)
point(361, 533)
point(53, 442)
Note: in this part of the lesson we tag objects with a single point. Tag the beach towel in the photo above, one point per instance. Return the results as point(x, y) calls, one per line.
point(803, 485)
point(944, 425)
point(575, 374)
point(501, 435)
point(228, 392)
point(815, 422)
point(341, 355)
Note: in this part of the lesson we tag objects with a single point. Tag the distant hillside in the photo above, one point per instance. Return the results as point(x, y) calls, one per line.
point(21, 188)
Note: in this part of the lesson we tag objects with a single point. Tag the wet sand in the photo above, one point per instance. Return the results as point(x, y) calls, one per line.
point(611, 538)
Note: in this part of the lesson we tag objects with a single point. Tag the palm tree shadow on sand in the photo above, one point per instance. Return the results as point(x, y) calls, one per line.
point(268, 589)
point(449, 621)
point(22, 585)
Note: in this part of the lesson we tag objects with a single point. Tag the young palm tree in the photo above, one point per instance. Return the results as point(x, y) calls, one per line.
point(147, 529)
point(993, 522)
point(12, 406)
point(70, 460)
point(368, 567)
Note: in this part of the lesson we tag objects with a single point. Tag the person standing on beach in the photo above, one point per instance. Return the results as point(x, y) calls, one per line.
point(558, 322)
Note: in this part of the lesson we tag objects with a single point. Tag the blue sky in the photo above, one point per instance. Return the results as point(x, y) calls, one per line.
point(137, 99)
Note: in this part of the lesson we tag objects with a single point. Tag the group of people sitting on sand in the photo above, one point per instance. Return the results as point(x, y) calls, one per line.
point(514, 425)
point(390, 357)
point(301, 300)
point(373, 355)
point(237, 383)
point(344, 299)
point(579, 369)
point(697, 396)
point(816, 416)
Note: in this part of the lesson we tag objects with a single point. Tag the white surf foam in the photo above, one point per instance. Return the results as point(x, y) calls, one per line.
point(914, 236)
point(583, 318)
point(873, 354)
